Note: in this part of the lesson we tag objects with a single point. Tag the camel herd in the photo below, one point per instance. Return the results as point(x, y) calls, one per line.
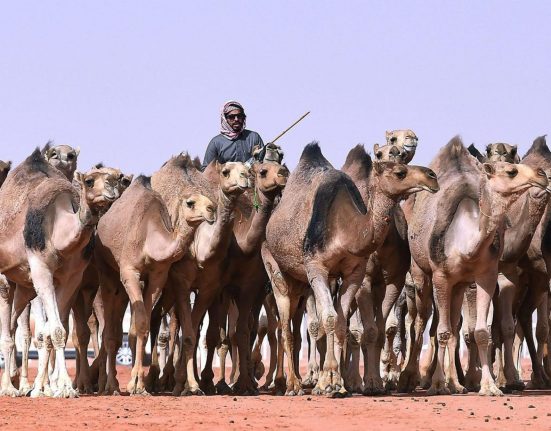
point(366, 253)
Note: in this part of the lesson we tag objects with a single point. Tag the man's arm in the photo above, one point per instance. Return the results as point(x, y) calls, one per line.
point(211, 154)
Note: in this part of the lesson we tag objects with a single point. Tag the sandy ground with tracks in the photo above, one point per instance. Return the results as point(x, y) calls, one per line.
point(530, 410)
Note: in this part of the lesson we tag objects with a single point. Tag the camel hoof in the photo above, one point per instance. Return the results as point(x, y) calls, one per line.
point(515, 386)
point(310, 382)
point(207, 386)
point(189, 392)
point(317, 391)
point(490, 390)
point(140, 393)
point(407, 382)
point(222, 388)
point(294, 393)
point(9, 392)
point(439, 389)
point(66, 393)
point(340, 393)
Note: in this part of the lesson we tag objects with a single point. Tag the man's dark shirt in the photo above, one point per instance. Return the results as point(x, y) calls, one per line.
point(225, 150)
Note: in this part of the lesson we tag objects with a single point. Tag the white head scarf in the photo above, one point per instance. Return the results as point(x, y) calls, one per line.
point(225, 128)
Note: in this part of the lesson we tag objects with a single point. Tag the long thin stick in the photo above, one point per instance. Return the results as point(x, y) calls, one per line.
point(290, 127)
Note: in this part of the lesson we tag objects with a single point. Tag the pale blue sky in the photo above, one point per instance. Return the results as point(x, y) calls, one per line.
point(133, 82)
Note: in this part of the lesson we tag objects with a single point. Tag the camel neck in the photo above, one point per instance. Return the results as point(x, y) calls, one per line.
point(175, 245)
point(372, 228)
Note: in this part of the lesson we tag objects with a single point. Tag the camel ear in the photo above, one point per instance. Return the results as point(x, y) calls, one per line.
point(489, 150)
point(9, 164)
point(514, 152)
point(375, 148)
point(77, 151)
point(379, 167)
point(78, 177)
point(218, 166)
point(489, 169)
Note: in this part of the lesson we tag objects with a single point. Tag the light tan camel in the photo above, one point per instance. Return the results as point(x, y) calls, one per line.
point(136, 245)
point(49, 258)
point(247, 279)
point(320, 229)
point(473, 200)
point(205, 267)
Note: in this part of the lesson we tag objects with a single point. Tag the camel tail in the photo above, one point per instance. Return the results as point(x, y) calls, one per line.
point(316, 232)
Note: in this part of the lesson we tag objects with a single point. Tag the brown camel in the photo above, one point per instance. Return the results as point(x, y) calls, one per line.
point(321, 229)
point(246, 276)
point(136, 245)
point(475, 200)
point(385, 274)
point(48, 260)
point(204, 267)
point(4, 169)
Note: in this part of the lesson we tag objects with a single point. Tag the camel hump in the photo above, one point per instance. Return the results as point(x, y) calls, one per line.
point(539, 147)
point(334, 181)
point(359, 155)
point(312, 157)
point(144, 181)
point(453, 157)
point(37, 163)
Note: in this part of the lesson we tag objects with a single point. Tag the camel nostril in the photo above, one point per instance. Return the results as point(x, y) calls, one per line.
point(432, 175)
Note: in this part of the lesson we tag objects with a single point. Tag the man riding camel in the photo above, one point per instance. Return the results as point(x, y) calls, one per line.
point(234, 143)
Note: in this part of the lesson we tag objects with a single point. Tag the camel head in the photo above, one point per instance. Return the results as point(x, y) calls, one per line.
point(269, 177)
point(510, 179)
point(406, 139)
point(398, 180)
point(390, 153)
point(502, 153)
point(62, 157)
point(100, 187)
point(196, 208)
point(124, 180)
point(268, 153)
point(234, 177)
point(4, 169)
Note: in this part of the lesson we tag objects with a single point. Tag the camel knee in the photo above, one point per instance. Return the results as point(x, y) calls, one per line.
point(330, 322)
point(542, 332)
point(371, 334)
point(482, 336)
point(313, 329)
point(58, 337)
point(443, 338)
point(508, 329)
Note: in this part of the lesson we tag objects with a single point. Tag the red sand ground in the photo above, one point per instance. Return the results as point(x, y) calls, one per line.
point(531, 409)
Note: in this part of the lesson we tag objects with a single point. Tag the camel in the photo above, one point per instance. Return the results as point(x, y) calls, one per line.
point(405, 139)
point(385, 273)
point(4, 169)
point(136, 245)
point(48, 260)
point(204, 267)
point(536, 275)
point(474, 199)
point(246, 276)
point(322, 229)
point(62, 157)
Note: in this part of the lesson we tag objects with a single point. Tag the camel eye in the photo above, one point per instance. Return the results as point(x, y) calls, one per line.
point(190, 203)
point(401, 174)
point(89, 182)
point(53, 155)
point(379, 155)
point(71, 156)
point(125, 182)
point(512, 173)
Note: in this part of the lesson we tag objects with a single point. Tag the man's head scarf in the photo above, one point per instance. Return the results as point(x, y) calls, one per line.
point(225, 128)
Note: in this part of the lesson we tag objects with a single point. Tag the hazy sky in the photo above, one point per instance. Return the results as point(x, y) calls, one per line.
point(133, 82)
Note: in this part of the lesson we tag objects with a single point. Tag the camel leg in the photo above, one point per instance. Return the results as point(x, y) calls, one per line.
point(115, 301)
point(25, 328)
point(419, 303)
point(542, 331)
point(313, 323)
point(297, 334)
point(353, 379)
point(539, 380)
point(162, 342)
point(41, 386)
point(271, 311)
point(453, 380)
point(474, 372)
point(82, 310)
point(212, 339)
point(7, 339)
point(222, 350)
point(256, 355)
point(166, 380)
point(233, 315)
point(152, 378)
point(373, 383)
point(388, 356)
point(485, 287)
point(546, 313)
point(442, 293)
point(507, 286)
